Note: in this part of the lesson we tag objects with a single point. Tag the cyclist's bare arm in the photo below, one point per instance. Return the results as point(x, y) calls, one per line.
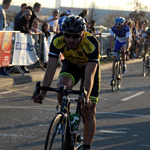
point(111, 39)
point(127, 43)
point(89, 77)
point(50, 71)
point(44, 21)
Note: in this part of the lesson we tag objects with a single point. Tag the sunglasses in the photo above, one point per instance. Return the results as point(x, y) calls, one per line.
point(27, 14)
point(74, 36)
point(118, 24)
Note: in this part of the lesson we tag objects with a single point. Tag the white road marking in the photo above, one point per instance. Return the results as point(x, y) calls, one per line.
point(112, 132)
point(15, 135)
point(145, 145)
point(6, 92)
point(130, 97)
point(123, 114)
point(98, 137)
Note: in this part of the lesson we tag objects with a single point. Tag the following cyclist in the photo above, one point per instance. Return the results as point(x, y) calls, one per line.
point(146, 41)
point(82, 53)
point(122, 37)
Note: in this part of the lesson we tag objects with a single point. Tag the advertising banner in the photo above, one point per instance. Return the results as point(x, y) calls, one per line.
point(5, 48)
point(46, 46)
point(24, 53)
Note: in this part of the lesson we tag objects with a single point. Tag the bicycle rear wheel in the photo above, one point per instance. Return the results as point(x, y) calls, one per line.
point(56, 135)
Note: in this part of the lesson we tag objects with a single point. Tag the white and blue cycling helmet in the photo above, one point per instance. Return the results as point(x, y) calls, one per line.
point(119, 20)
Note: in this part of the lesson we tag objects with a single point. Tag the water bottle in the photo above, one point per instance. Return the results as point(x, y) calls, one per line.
point(74, 122)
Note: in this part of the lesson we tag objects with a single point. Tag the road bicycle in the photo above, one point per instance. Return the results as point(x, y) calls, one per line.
point(116, 82)
point(60, 135)
point(146, 63)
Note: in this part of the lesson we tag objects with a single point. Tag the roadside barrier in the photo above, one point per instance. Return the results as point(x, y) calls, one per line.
point(19, 49)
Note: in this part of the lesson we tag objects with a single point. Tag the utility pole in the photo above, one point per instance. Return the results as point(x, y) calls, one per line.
point(71, 3)
point(57, 3)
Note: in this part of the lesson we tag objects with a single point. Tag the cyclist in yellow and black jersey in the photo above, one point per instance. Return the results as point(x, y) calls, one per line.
point(82, 53)
point(87, 50)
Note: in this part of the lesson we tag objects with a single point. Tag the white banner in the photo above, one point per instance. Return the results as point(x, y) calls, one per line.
point(46, 46)
point(24, 52)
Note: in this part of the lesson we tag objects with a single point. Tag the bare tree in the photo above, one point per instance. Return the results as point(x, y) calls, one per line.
point(92, 15)
point(139, 11)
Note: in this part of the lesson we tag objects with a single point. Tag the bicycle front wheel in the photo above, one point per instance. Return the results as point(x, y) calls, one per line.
point(113, 86)
point(56, 135)
point(119, 75)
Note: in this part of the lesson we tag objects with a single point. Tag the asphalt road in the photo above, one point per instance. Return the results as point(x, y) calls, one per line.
point(123, 117)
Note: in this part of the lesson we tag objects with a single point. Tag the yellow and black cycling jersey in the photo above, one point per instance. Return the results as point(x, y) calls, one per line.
point(87, 51)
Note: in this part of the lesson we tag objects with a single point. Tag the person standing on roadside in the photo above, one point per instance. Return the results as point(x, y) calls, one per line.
point(23, 22)
point(60, 21)
point(20, 14)
point(37, 9)
point(5, 5)
point(84, 14)
point(54, 24)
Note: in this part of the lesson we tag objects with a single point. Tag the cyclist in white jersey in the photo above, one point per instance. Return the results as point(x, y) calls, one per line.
point(121, 32)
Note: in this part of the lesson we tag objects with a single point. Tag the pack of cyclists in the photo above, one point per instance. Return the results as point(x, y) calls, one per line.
point(129, 40)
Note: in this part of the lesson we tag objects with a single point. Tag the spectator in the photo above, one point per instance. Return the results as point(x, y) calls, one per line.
point(54, 24)
point(23, 26)
point(23, 22)
point(91, 27)
point(45, 30)
point(66, 13)
point(5, 5)
point(37, 9)
point(35, 27)
point(20, 14)
point(84, 14)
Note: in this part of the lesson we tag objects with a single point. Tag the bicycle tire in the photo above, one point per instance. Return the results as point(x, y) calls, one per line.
point(79, 135)
point(113, 87)
point(79, 147)
point(119, 76)
point(56, 140)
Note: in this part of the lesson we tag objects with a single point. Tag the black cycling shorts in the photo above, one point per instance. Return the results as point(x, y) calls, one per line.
point(76, 73)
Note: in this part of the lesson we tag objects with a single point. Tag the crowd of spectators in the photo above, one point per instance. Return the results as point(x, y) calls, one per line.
point(137, 30)
point(26, 21)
